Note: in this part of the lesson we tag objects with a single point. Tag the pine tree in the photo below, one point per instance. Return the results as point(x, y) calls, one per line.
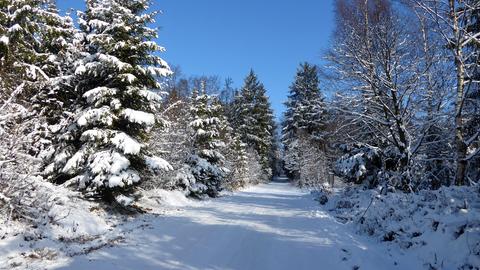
point(104, 150)
point(20, 53)
point(304, 119)
point(55, 99)
point(33, 45)
point(207, 162)
point(253, 120)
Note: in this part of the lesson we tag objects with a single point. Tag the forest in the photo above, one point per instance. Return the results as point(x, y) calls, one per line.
point(383, 133)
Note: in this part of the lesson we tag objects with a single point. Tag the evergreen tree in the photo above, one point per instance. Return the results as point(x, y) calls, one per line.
point(207, 162)
point(253, 120)
point(304, 119)
point(34, 49)
point(104, 150)
point(55, 99)
point(20, 52)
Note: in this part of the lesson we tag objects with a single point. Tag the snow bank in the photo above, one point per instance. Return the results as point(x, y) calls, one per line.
point(429, 225)
point(65, 224)
point(158, 200)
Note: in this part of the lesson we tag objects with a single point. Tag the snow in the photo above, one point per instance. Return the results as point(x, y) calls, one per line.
point(106, 161)
point(426, 226)
point(4, 40)
point(15, 28)
point(128, 178)
point(101, 115)
point(139, 117)
point(95, 23)
point(69, 226)
point(270, 226)
point(98, 93)
point(127, 144)
point(124, 200)
point(127, 77)
point(81, 69)
point(113, 61)
point(156, 164)
point(73, 163)
point(97, 135)
point(150, 96)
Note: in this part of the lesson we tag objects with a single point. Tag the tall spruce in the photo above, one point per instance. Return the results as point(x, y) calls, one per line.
point(35, 46)
point(254, 121)
point(104, 150)
point(304, 119)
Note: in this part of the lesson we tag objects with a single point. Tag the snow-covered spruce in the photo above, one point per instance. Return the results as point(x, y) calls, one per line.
point(103, 151)
point(252, 119)
point(206, 164)
point(304, 128)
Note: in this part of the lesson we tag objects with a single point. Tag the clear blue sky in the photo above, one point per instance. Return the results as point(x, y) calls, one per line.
point(228, 37)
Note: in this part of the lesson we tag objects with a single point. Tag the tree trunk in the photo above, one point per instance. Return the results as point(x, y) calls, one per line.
point(461, 148)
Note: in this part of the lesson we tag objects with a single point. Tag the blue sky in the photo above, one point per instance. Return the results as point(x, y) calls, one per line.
point(229, 37)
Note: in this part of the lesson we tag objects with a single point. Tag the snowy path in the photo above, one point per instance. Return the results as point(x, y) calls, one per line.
point(273, 226)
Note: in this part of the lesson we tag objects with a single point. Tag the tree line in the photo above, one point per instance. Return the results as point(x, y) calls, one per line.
point(404, 98)
point(93, 106)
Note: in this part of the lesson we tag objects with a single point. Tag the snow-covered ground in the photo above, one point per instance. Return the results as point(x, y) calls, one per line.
point(269, 226)
point(439, 228)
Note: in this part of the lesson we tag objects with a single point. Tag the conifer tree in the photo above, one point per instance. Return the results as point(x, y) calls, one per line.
point(20, 49)
point(253, 120)
point(304, 119)
point(207, 162)
point(33, 42)
point(54, 101)
point(104, 150)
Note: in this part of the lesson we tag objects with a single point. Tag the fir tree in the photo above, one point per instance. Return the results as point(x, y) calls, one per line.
point(20, 53)
point(253, 120)
point(104, 150)
point(55, 99)
point(207, 162)
point(305, 117)
point(34, 51)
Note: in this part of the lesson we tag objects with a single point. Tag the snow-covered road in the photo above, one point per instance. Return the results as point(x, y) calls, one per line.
point(271, 226)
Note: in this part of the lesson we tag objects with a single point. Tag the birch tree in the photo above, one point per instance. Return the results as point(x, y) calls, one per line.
point(455, 20)
point(372, 56)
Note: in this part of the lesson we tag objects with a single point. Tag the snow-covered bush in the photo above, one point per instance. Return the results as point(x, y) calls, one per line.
point(21, 199)
point(237, 164)
point(172, 142)
point(429, 223)
point(359, 164)
point(256, 173)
